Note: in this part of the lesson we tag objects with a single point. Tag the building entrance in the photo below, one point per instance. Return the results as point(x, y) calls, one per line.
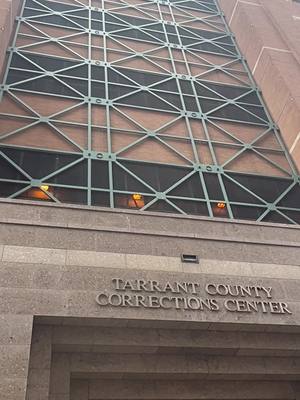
point(92, 360)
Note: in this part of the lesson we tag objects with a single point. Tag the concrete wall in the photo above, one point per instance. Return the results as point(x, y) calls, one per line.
point(267, 32)
point(57, 343)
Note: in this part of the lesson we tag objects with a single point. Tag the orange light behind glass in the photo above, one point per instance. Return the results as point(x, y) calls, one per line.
point(37, 194)
point(137, 196)
point(136, 200)
point(221, 205)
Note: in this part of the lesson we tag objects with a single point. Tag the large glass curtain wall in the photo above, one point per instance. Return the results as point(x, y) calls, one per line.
point(138, 104)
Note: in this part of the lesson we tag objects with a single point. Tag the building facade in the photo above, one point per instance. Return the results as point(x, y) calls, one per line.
point(150, 192)
point(126, 106)
point(270, 43)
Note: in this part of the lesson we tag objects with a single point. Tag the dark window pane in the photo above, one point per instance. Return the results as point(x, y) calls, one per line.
point(125, 181)
point(169, 85)
point(115, 77)
point(142, 78)
point(97, 73)
point(267, 188)
point(213, 187)
point(100, 175)
point(237, 193)
point(160, 177)
point(292, 198)
point(126, 19)
point(191, 187)
point(18, 61)
point(74, 196)
point(80, 72)
point(77, 84)
point(191, 207)
point(239, 114)
point(97, 25)
point(75, 175)
point(100, 199)
point(98, 90)
point(48, 85)
point(9, 188)
point(115, 91)
point(162, 206)
point(146, 99)
point(8, 171)
point(15, 76)
point(37, 163)
point(190, 103)
point(294, 215)
point(58, 21)
point(210, 105)
point(244, 212)
point(274, 216)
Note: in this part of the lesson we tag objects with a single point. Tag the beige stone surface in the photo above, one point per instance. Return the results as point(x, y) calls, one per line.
point(73, 290)
point(15, 329)
point(160, 263)
point(95, 259)
point(23, 213)
point(60, 375)
point(79, 389)
point(48, 273)
point(56, 260)
point(13, 388)
point(34, 255)
point(229, 245)
point(14, 361)
point(192, 390)
point(158, 340)
point(184, 366)
point(15, 339)
point(175, 367)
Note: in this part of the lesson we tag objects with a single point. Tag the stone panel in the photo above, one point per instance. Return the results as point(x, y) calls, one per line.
point(15, 329)
point(95, 259)
point(34, 255)
point(187, 366)
point(15, 348)
point(60, 376)
point(73, 293)
point(190, 390)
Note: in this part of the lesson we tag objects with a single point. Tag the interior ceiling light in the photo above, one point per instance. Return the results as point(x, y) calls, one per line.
point(221, 205)
point(136, 200)
point(44, 187)
point(137, 196)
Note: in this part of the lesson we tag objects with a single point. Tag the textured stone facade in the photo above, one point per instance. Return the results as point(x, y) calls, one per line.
point(58, 343)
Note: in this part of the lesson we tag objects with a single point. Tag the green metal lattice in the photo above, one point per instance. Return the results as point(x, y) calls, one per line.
point(113, 22)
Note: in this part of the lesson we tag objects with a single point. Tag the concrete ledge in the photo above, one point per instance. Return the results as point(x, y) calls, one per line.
point(72, 228)
point(14, 257)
